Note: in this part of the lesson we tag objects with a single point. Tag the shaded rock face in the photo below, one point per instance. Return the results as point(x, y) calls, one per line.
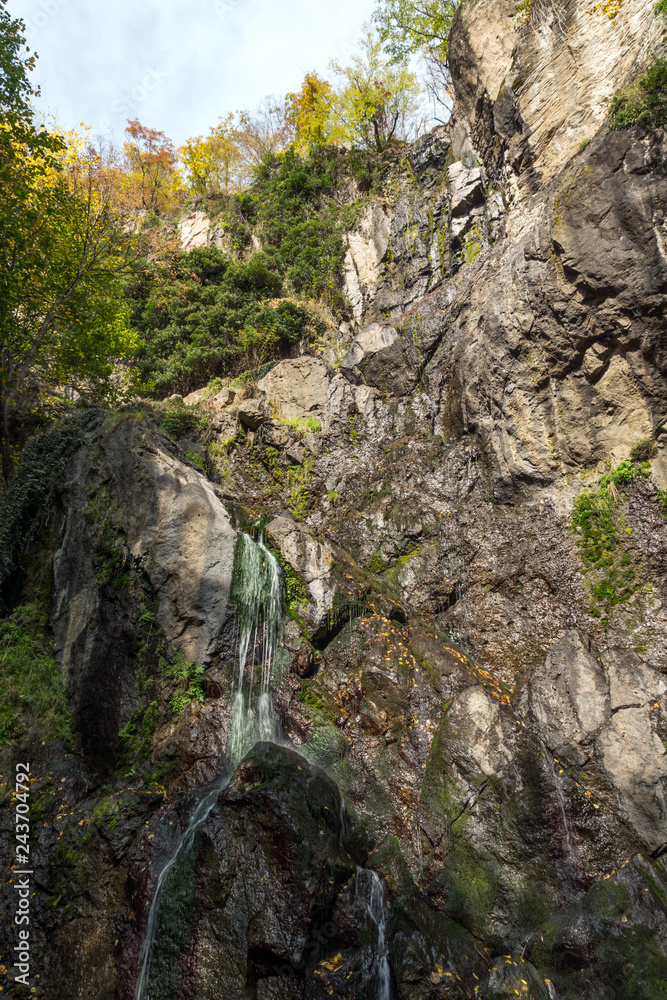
point(468, 788)
point(131, 505)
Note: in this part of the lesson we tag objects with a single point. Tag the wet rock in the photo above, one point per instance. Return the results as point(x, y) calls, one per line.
point(269, 868)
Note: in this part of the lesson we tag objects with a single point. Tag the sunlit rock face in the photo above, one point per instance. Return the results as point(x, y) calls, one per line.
point(463, 790)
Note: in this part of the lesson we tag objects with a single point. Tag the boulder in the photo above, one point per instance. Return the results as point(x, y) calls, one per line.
point(313, 560)
point(382, 358)
point(297, 387)
point(252, 413)
point(173, 523)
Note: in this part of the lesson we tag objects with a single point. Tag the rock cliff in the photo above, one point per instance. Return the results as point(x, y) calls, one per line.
point(466, 793)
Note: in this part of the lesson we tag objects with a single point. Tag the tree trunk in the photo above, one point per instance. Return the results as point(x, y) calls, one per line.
point(5, 443)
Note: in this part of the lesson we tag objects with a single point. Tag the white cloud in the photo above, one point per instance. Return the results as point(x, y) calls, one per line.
point(178, 66)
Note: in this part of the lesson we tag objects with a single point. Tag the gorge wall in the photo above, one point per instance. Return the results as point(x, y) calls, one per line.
point(469, 785)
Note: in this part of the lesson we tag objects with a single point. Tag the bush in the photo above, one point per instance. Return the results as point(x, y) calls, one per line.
point(645, 450)
point(208, 315)
point(645, 103)
point(32, 688)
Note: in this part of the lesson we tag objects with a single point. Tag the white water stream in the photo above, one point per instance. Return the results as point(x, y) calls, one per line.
point(258, 594)
point(375, 900)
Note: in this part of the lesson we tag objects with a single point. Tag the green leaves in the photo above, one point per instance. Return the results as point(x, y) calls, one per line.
point(408, 27)
point(379, 99)
point(645, 103)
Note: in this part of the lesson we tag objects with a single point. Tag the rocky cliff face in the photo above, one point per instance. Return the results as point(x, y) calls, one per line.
point(466, 794)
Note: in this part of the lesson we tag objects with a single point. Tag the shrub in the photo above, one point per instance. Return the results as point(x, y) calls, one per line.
point(645, 450)
point(32, 689)
point(645, 103)
point(208, 315)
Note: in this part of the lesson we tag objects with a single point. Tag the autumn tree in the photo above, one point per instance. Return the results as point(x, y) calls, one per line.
point(309, 111)
point(63, 254)
point(68, 329)
point(153, 157)
point(378, 100)
point(211, 161)
point(258, 133)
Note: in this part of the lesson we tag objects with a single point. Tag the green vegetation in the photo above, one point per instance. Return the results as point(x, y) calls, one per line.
point(302, 425)
point(64, 250)
point(205, 314)
point(297, 481)
point(136, 737)
point(645, 103)
point(31, 693)
point(299, 222)
point(295, 587)
point(187, 677)
point(179, 420)
point(596, 520)
point(643, 451)
point(29, 501)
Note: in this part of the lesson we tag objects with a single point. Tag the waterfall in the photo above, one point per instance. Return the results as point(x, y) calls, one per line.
point(199, 817)
point(258, 594)
point(560, 796)
point(257, 591)
point(376, 910)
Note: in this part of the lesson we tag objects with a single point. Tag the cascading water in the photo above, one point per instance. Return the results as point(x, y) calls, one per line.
point(258, 594)
point(375, 900)
point(257, 591)
point(185, 845)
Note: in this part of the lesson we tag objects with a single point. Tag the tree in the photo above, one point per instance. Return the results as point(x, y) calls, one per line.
point(258, 133)
point(63, 252)
point(407, 27)
point(211, 161)
point(378, 102)
point(309, 111)
point(67, 327)
point(152, 155)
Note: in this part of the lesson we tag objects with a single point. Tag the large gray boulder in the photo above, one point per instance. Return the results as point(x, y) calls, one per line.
point(381, 357)
point(170, 522)
point(297, 387)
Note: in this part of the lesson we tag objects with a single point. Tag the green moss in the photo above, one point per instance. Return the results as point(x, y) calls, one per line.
point(302, 425)
point(186, 676)
point(136, 737)
point(32, 690)
point(596, 520)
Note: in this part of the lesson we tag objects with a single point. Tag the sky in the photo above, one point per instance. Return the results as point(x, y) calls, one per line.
point(178, 65)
